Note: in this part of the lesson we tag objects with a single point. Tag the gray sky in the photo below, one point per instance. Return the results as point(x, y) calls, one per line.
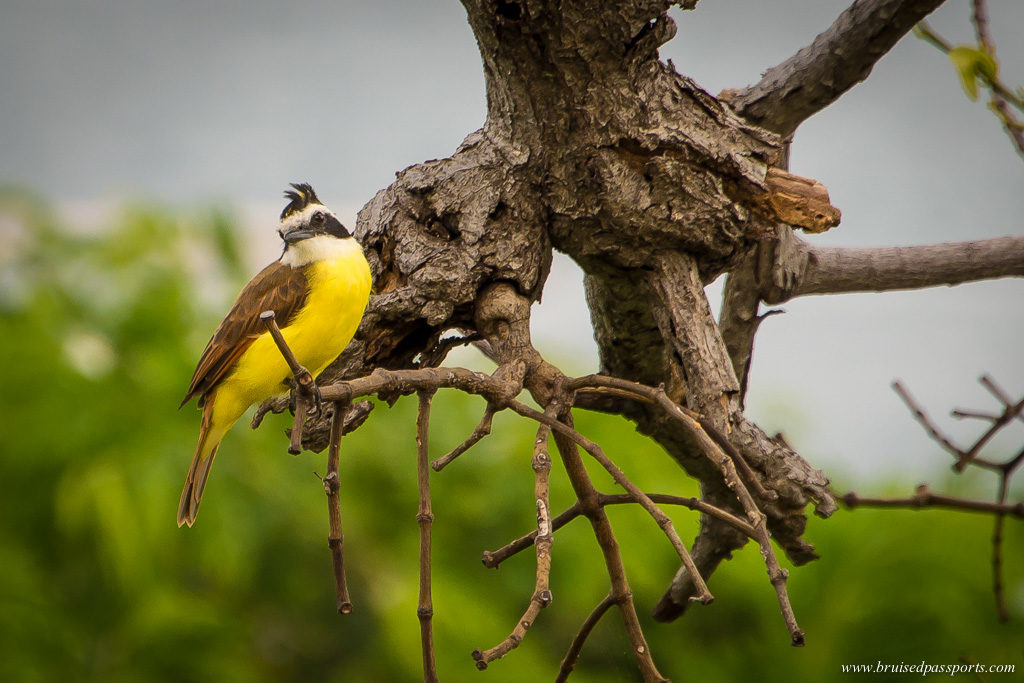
point(191, 102)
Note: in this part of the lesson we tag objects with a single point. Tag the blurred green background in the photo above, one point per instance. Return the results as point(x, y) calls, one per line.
point(100, 333)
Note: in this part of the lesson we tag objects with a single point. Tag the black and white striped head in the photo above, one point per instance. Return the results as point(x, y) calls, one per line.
point(305, 217)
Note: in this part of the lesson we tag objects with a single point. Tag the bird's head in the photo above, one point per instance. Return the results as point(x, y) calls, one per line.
point(305, 217)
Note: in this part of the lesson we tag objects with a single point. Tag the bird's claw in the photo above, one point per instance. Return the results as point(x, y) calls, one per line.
point(316, 401)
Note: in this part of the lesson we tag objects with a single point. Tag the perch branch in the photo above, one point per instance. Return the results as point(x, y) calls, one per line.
point(306, 389)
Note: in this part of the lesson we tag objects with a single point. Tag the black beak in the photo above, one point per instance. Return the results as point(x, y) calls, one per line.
point(293, 236)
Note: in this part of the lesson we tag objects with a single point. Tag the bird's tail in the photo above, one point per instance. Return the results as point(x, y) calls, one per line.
point(199, 471)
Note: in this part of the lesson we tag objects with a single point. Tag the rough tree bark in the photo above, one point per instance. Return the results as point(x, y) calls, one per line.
point(594, 147)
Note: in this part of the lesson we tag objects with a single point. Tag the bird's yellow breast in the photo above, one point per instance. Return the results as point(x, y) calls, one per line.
point(338, 290)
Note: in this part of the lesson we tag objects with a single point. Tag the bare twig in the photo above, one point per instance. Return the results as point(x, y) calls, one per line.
point(933, 431)
point(596, 452)
point(482, 430)
point(924, 498)
point(726, 464)
point(499, 391)
point(1002, 99)
point(996, 390)
point(961, 414)
point(492, 559)
point(717, 454)
point(332, 484)
point(620, 593)
point(776, 574)
point(573, 655)
point(1010, 413)
point(997, 551)
point(541, 463)
point(425, 517)
point(640, 392)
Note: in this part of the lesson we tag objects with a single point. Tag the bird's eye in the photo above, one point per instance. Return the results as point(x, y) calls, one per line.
point(318, 218)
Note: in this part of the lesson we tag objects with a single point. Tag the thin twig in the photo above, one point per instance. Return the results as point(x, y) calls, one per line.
point(1013, 127)
point(620, 594)
point(961, 414)
point(727, 466)
point(776, 574)
point(996, 390)
point(1002, 96)
point(332, 484)
point(933, 430)
point(640, 392)
point(482, 430)
point(924, 498)
point(596, 452)
point(492, 559)
point(924, 420)
point(997, 551)
point(1009, 414)
point(573, 654)
point(425, 517)
point(541, 463)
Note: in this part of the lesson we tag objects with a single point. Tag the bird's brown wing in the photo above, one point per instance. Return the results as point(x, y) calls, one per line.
point(278, 288)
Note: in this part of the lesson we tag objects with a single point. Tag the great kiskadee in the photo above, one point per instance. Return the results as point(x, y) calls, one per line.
point(318, 291)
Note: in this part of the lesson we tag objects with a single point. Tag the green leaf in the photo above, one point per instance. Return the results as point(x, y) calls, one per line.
point(973, 63)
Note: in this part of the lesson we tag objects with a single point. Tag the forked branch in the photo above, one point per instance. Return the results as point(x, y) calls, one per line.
point(923, 496)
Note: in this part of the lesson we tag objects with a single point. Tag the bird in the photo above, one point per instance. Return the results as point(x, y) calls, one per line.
point(318, 290)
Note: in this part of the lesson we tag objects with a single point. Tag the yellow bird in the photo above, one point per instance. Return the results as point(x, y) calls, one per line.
point(318, 291)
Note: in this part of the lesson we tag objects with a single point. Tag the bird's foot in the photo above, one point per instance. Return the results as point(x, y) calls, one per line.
point(303, 385)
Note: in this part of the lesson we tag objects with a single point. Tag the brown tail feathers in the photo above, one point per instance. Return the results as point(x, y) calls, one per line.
point(198, 472)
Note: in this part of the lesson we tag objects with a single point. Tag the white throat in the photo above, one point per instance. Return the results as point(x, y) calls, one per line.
point(319, 248)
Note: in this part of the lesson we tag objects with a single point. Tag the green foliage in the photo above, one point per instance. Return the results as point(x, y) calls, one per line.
point(100, 335)
point(973, 63)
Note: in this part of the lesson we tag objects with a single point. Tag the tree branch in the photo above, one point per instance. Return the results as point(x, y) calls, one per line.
point(924, 498)
point(839, 58)
point(833, 270)
point(425, 518)
point(1000, 97)
point(482, 430)
point(493, 559)
point(332, 485)
point(541, 598)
